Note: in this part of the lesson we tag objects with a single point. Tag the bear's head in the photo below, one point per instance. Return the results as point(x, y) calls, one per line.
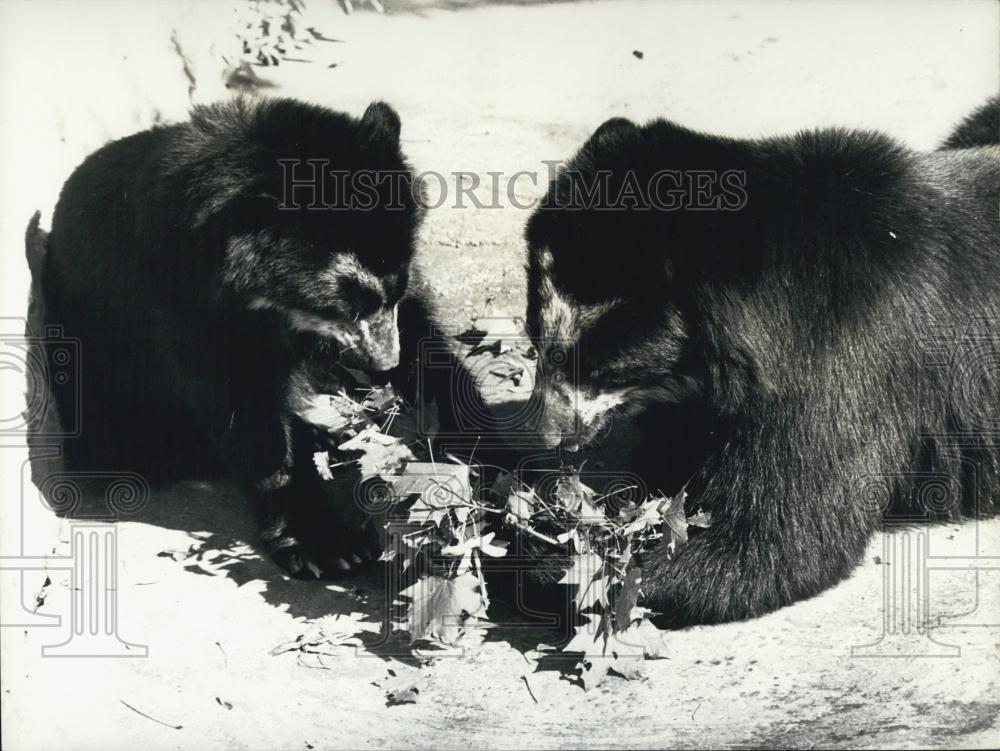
point(315, 213)
point(619, 253)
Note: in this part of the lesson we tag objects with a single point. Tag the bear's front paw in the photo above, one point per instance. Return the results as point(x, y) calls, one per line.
point(301, 563)
point(320, 550)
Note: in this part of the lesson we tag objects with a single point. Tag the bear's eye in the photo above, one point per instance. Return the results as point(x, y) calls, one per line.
point(333, 313)
point(358, 301)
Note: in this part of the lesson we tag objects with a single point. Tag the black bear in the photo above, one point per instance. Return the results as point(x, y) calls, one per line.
point(215, 272)
point(981, 128)
point(813, 322)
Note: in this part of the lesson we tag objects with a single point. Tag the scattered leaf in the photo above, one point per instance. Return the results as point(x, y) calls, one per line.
point(471, 336)
point(586, 574)
point(495, 348)
point(483, 544)
point(627, 599)
point(407, 695)
point(322, 461)
point(440, 606)
point(521, 503)
point(576, 497)
point(380, 453)
point(330, 635)
point(701, 519)
point(335, 413)
point(439, 487)
point(674, 520)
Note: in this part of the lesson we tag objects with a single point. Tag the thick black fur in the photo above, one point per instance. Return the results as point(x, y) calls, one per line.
point(172, 263)
point(981, 128)
point(820, 361)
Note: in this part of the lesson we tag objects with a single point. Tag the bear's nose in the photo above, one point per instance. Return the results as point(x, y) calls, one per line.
point(570, 444)
point(383, 361)
point(564, 441)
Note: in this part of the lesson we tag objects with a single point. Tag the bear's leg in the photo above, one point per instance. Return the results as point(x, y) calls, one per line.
point(309, 531)
point(788, 520)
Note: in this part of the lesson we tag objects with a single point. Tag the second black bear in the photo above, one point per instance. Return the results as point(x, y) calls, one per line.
point(815, 322)
point(981, 128)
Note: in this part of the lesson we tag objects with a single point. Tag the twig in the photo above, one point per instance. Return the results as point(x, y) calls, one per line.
point(539, 535)
point(319, 659)
point(695, 710)
point(392, 416)
point(540, 500)
point(469, 463)
point(165, 724)
point(530, 692)
point(615, 492)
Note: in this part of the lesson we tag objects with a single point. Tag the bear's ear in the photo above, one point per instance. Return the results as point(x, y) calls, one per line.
point(383, 118)
point(613, 131)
